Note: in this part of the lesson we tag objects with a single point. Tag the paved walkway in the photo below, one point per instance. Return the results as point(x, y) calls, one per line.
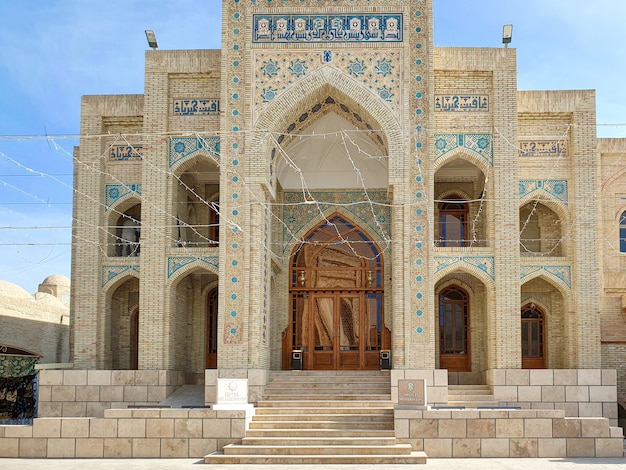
point(197, 464)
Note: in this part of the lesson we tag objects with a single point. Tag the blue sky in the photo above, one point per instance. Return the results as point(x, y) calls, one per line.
point(52, 52)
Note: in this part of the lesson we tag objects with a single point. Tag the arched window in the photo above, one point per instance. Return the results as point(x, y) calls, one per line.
point(532, 338)
point(622, 233)
point(453, 215)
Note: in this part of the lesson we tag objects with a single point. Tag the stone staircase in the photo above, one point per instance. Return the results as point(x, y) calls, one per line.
point(318, 417)
point(471, 396)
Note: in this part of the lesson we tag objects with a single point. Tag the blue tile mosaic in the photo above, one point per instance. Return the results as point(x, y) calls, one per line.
point(480, 144)
point(484, 263)
point(111, 272)
point(561, 273)
point(115, 192)
point(185, 147)
point(555, 188)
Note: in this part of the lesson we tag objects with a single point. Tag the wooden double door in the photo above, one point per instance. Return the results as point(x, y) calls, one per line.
point(342, 330)
point(337, 299)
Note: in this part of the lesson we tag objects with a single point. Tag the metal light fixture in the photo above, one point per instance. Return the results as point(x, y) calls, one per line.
point(370, 278)
point(507, 34)
point(151, 37)
point(302, 278)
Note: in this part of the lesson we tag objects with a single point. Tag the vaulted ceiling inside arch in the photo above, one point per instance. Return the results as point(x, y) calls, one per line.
point(332, 153)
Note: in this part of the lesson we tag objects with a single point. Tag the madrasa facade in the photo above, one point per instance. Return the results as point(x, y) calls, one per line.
point(328, 189)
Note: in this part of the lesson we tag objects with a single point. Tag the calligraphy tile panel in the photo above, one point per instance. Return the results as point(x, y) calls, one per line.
point(303, 28)
point(196, 107)
point(543, 148)
point(461, 103)
point(119, 153)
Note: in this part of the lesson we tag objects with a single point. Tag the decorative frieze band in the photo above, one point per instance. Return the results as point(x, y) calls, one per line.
point(480, 144)
point(306, 28)
point(115, 192)
point(174, 263)
point(555, 188)
point(111, 272)
point(461, 103)
point(185, 147)
point(196, 107)
point(125, 152)
point(483, 263)
point(543, 148)
point(562, 273)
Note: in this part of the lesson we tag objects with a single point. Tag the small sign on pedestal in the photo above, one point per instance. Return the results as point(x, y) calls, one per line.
point(412, 393)
point(232, 391)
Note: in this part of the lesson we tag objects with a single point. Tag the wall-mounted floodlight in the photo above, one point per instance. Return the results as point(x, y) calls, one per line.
point(507, 34)
point(151, 37)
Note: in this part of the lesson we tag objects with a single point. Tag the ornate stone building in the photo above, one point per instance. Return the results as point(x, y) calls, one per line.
point(330, 182)
point(328, 189)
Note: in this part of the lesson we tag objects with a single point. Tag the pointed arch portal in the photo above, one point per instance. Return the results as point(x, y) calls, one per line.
point(337, 298)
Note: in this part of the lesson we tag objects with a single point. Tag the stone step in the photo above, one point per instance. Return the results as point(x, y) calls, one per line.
point(470, 398)
point(319, 441)
point(396, 449)
point(343, 425)
point(328, 373)
point(319, 404)
point(469, 387)
point(317, 417)
point(470, 391)
point(329, 397)
point(313, 380)
point(324, 433)
point(473, 404)
point(354, 410)
point(336, 417)
point(412, 458)
point(323, 387)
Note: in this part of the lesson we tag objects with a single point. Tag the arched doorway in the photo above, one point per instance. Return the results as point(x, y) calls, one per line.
point(211, 329)
point(533, 345)
point(336, 290)
point(454, 353)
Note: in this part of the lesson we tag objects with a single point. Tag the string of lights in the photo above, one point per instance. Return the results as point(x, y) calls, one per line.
point(308, 194)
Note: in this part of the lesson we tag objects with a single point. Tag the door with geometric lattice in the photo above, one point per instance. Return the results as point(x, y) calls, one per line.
point(337, 298)
point(335, 330)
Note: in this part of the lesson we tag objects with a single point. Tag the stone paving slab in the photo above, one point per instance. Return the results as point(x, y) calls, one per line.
point(197, 464)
